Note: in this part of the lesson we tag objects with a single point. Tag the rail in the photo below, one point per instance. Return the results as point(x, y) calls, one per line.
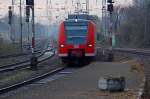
point(23, 64)
point(133, 51)
point(26, 82)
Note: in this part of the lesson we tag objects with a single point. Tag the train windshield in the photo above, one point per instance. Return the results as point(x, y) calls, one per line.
point(76, 32)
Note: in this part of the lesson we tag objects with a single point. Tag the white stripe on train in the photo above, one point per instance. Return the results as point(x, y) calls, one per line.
point(87, 54)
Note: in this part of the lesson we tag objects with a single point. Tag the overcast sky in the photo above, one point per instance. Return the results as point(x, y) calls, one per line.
point(95, 5)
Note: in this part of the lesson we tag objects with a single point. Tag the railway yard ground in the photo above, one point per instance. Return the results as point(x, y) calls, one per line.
point(74, 49)
point(7, 61)
point(79, 82)
point(18, 75)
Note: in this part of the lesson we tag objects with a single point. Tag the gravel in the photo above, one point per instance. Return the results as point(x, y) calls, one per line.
point(7, 79)
point(83, 84)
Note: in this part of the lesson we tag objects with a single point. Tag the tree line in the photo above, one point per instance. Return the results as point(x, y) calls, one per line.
point(42, 30)
point(133, 27)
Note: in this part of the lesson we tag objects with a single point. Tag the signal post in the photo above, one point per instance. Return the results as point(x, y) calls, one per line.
point(110, 9)
point(33, 59)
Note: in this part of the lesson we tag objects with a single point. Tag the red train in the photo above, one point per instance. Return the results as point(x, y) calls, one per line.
point(76, 40)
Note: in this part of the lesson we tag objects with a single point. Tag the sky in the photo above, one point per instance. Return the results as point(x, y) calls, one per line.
point(41, 12)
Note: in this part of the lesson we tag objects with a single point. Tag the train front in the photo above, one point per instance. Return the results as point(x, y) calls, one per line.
point(76, 40)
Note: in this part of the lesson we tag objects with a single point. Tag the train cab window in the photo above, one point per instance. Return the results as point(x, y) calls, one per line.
point(76, 32)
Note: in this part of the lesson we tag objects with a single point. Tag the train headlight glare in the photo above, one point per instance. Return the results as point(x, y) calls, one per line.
point(62, 45)
point(90, 45)
point(76, 20)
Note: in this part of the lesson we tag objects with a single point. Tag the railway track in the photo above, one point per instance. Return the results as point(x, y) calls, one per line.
point(29, 81)
point(32, 80)
point(127, 50)
point(54, 74)
point(17, 55)
point(25, 63)
point(37, 51)
point(40, 54)
point(133, 51)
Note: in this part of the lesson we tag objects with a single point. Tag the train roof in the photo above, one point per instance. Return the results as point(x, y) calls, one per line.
point(78, 16)
point(76, 20)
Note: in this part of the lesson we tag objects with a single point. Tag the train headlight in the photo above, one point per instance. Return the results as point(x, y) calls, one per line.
point(76, 20)
point(90, 45)
point(62, 45)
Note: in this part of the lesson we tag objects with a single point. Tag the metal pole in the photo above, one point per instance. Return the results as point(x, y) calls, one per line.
point(13, 5)
point(103, 16)
point(33, 57)
point(77, 7)
point(87, 6)
point(145, 21)
point(21, 45)
point(106, 22)
point(33, 31)
point(104, 19)
point(28, 32)
point(48, 15)
point(11, 31)
point(111, 28)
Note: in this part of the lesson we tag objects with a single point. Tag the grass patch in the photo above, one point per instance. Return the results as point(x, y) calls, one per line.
point(6, 48)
